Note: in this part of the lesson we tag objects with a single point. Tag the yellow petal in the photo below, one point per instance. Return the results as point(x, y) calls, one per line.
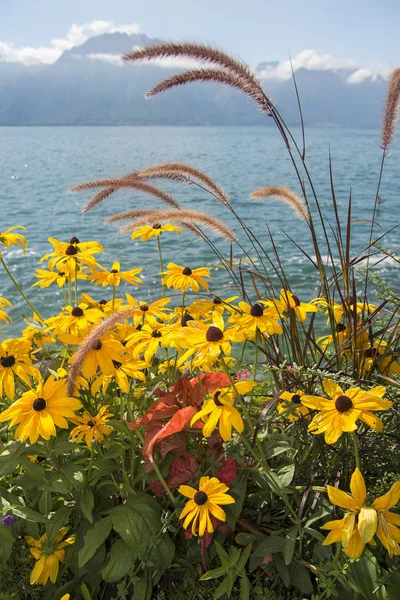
point(357, 487)
point(348, 528)
point(367, 523)
point(389, 499)
point(332, 389)
point(187, 491)
point(355, 547)
point(341, 498)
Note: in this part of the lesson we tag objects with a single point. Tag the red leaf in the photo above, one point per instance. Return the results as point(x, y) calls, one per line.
point(227, 473)
point(182, 470)
point(178, 422)
point(212, 381)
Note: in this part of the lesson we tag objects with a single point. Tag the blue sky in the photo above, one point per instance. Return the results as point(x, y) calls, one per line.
point(366, 31)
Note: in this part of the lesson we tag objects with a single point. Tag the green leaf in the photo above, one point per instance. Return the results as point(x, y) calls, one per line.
point(244, 588)
point(243, 558)
point(94, 539)
point(58, 520)
point(143, 587)
point(34, 471)
point(75, 475)
point(6, 535)
point(286, 475)
point(137, 529)
point(122, 558)
point(289, 544)
point(282, 569)
point(45, 503)
point(86, 501)
point(246, 538)
point(32, 323)
point(301, 579)
point(9, 462)
point(221, 590)
point(23, 512)
point(85, 592)
point(222, 554)
point(269, 546)
point(214, 573)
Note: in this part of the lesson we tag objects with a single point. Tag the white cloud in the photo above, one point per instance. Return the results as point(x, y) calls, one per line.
point(373, 72)
point(307, 59)
point(113, 59)
point(76, 35)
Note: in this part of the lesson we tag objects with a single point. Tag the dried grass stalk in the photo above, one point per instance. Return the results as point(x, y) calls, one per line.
point(182, 217)
point(391, 110)
point(123, 182)
point(286, 196)
point(182, 172)
point(218, 76)
point(150, 218)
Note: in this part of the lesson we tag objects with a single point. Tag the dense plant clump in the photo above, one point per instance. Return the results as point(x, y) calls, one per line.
point(240, 444)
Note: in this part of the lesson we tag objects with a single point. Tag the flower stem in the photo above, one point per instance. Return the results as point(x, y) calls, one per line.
point(113, 298)
point(355, 444)
point(164, 483)
point(35, 312)
point(161, 264)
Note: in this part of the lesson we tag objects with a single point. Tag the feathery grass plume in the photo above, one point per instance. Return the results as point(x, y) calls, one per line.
point(391, 110)
point(90, 341)
point(182, 172)
point(287, 196)
point(181, 217)
point(123, 182)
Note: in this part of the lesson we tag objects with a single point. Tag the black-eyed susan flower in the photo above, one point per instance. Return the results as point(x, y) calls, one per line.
point(379, 355)
point(15, 361)
point(206, 307)
point(291, 406)
point(114, 277)
point(288, 301)
point(203, 503)
point(147, 232)
point(40, 410)
point(220, 409)
point(80, 382)
point(106, 306)
point(70, 256)
point(349, 306)
point(183, 278)
point(388, 525)
point(76, 320)
point(148, 312)
point(205, 342)
point(341, 335)
point(48, 555)
point(146, 341)
point(125, 370)
point(91, 427)
point(344, 409)
point(13, 239)
point(259, 317)
point(101, 356)
point(3, 315)
point(47, 278)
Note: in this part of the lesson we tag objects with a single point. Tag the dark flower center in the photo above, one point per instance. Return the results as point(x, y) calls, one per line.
point(71, 250)
point(187, 271)
point(61, 273)
point(7, 361)
point(256, 310)
point(97, 345)
point(103, 301)
point(74, 240)
point(371, 352)
point(216, 401)
point(340, 327)
point(217, 300)
point(91, 424)
point(157, 226)
point(144, 308)
point(156, 334)
point(214, 334)
point(77, 311)
point(296, 399)
point(296, 300)
point(349, 300)
point(200, 498)
point(114, 271)
point(343, 404)
point(39, 404)
point(185, 319)
point(117, 364)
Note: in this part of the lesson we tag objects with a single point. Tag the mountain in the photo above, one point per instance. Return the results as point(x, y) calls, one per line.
point(89, 85)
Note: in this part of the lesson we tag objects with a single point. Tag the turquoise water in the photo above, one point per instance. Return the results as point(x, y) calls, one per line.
point(39, 164)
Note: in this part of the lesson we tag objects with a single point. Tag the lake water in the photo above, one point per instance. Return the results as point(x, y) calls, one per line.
point(39, 164)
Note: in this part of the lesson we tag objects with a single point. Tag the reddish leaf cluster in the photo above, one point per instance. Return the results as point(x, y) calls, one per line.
point(181, 471)
point(168, 418)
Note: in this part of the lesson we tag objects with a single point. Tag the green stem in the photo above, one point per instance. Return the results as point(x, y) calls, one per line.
point(161, 264)
point(76, 284)
point(356, 453)
point(113, 298)
point(35, 312)
point(164, 483)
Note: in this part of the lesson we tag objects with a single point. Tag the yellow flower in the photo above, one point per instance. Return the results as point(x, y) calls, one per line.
point(70, 256)
point(349, 306)
point(92, 428)
point(47, 278)
point(388, 522)
point(127, 368)
point(101, 356)
point(183, 278)
point(79, 381)
point(148, 312)
point(381, 356)
point(13, 239)
point(38, 411)
point(48, 555)
point(205, 342)
point(146, 341)
point(147, 232)
point(15, 361)
point(341, 335)
point(291, 407)
point(3, 315)
point(345, 408)
point(220, 408)
point(115, 276)
point(105, 306)
point(360, 524)
point(206, 307)
point(288, 301)
point(256, 318)
point(205, 501)
point(76, 320)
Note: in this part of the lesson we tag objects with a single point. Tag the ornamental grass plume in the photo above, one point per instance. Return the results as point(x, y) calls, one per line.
point(391, 110)
point(285, 195)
